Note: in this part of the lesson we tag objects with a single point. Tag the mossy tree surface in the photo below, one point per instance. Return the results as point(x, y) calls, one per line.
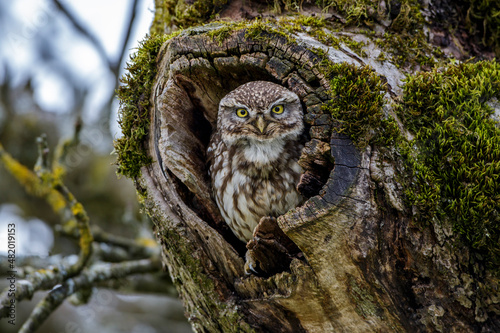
point(457, 167)
point(402, 232)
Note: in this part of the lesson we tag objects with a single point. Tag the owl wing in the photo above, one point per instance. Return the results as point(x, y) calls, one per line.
point(213, 150)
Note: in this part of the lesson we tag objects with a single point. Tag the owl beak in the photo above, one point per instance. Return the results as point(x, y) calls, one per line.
point(261, 124)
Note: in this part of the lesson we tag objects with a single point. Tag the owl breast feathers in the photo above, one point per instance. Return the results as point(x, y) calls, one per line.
point(253, 155)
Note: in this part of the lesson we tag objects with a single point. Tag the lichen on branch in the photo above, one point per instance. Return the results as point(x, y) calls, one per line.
point(46, 182)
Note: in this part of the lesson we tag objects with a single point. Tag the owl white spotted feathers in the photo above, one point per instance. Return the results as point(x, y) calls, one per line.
point(253, 155)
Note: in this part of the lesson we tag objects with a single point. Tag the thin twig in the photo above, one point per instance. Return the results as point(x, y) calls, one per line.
point(32, 183)
point(52, 178)
point(25, 289)
point(28, 265)
point(84, 31)
point(126, 40)
point(135, 248)
point(64, 147)
point(116, 66)
point(42, 163)
point(47, 184)
point(84, 280)
point(82, 222)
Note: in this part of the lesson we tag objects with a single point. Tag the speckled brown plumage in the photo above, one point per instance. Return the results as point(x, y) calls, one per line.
point(253, 158)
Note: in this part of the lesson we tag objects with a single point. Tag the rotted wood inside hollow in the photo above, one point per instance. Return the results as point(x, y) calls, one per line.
point(195, 72)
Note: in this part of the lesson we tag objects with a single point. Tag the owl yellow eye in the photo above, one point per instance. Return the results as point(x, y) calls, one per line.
point(242, 113)
point(278, 109)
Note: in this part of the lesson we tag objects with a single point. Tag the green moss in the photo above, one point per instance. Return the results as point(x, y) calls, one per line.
point(357, 99)
point(197, 13)
point(404, 38)
point(355, 11)
point(254, 29)
point(480, 17)
point(305, 20)
point(405, 13)
point(456, 166)
point(257, 29)
point(260, 30)
point(158, 25)
point(483, 21)
point(354, 45)
point(134, 107)
point(174, 14)
point(409, 51)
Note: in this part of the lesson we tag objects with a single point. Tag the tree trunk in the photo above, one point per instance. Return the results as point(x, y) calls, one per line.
point(374, 258)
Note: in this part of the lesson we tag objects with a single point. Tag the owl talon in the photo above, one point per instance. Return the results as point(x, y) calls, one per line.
point(251, 265)
point(249, 269)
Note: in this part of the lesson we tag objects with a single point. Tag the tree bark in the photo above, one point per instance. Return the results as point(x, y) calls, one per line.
point(367, 266)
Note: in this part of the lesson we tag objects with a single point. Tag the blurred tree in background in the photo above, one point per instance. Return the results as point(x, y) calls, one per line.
point(60, 64)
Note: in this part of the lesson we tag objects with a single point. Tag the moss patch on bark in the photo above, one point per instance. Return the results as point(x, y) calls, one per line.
point(134, 107)
point(454, 158)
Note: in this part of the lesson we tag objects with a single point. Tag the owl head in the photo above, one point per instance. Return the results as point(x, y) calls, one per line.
point(259, 111)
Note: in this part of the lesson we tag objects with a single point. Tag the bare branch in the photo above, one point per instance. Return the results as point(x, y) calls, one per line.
point(25, 289)
point(28, 265)
point(135, 248)
point(86, 279)
point(48, 185)
point(42, 163)
point(78, 213)
point(65, 146)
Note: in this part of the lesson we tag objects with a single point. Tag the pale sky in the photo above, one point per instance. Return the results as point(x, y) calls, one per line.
point(106, 20)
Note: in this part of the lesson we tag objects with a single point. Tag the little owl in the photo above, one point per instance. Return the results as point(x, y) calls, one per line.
point(253, 155)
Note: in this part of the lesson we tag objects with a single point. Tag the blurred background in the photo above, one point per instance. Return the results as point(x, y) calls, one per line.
point(60, 63)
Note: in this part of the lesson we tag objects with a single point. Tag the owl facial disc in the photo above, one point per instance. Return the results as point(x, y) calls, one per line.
point(260, 111)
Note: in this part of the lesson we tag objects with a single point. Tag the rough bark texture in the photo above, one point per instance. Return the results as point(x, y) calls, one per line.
point(366, 265)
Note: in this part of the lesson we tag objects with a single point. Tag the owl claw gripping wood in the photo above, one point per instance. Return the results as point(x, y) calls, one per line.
point(270, 251)
point(253, 155)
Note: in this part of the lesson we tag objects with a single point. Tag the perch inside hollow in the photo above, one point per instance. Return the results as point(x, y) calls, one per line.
point(196, 71)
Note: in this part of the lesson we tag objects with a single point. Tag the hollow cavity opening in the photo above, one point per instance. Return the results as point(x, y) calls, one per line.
point(194, 90)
